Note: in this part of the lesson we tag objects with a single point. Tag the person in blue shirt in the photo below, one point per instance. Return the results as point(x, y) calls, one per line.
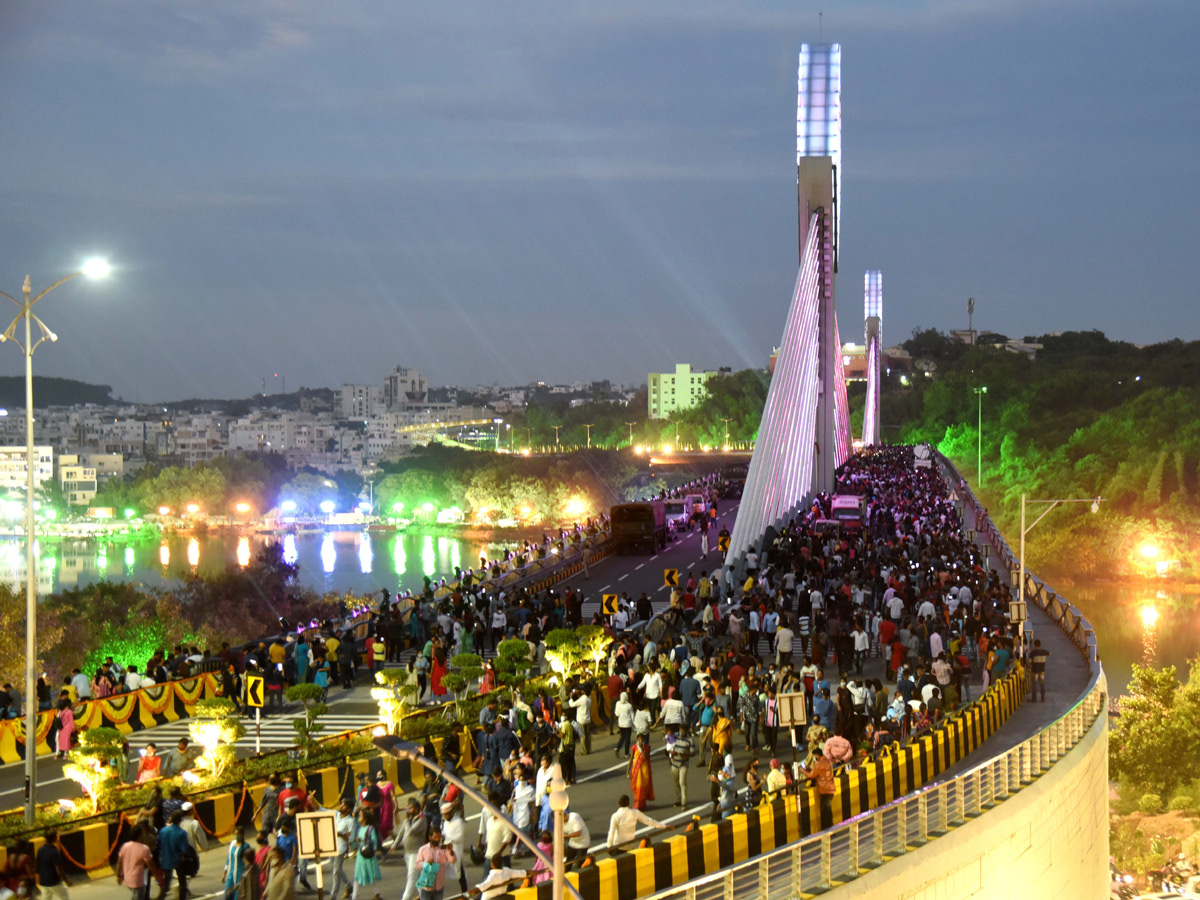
point(172, 844)
point(825, 709)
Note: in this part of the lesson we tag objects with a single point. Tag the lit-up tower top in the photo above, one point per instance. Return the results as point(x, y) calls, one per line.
point(873, 305)
point(818, 189)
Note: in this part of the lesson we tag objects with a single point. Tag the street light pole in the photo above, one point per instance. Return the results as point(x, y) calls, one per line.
point(93, 269)
point(979, 392)
point(556, 427)
point(407, 750)
point(1096, 501)
point(726, 420)
point(589, 435)
point(631, 424)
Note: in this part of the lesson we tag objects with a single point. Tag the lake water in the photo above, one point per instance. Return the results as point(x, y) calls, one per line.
point(1127, 633)
point(357, 561)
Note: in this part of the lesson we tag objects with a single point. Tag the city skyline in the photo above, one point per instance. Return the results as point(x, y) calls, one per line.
point(543, 193)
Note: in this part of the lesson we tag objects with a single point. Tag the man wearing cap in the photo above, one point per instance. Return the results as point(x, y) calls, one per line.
point(192, 827)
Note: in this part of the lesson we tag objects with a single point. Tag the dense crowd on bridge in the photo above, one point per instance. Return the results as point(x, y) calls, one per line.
point(904, 607)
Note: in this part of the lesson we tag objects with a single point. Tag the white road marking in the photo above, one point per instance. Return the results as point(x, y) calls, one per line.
point(638, 566)
point(623, 577)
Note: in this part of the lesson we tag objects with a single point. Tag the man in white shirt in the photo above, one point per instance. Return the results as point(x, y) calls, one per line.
point(582, 704)
point(622, 827)
point(895, 606)
point(926, 610)
point(620, 620)
point(133, 680)
point(783, 644)
point(576, 834)
point(816, 600)
point(343, 828)
point(651, 685)
point(498, 879)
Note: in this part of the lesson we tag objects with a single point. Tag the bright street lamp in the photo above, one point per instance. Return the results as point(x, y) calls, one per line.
point(406, 750)
point(726, 420)
point(93, 268)
point(1096, 501)
point(979, 392)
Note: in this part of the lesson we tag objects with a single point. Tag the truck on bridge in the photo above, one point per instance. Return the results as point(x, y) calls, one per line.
point(635, 525)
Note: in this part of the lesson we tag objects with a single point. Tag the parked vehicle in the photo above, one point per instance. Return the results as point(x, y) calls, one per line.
point(849, 509)
point(639, 526)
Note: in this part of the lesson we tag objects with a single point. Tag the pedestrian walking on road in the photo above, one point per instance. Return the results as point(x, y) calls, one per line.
point(679, 752)
point(1037, 670)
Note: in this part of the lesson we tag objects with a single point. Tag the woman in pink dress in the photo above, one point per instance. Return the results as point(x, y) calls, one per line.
point(488, 682)
point(66, 728)
point(387, 805)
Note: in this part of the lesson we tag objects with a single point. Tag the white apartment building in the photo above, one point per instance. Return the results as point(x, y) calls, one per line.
point(77, 480)
point(403, 387)
point(361, 401)
point(667, 392)
point(14, 474)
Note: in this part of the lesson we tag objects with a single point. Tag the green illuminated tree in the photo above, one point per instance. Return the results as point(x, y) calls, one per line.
point(563, 652)
point(512, 663)
point(308, 727)
point(394, 696)
point(217, 727)
point(594, 642)
point(96, 763)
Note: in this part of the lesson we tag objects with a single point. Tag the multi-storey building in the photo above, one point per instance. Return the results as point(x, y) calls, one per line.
point(667, 392)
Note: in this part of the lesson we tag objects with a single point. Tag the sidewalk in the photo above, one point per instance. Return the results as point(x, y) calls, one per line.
point(1067, 677)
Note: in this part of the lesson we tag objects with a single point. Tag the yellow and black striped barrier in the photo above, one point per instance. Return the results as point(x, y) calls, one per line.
point(710, 848)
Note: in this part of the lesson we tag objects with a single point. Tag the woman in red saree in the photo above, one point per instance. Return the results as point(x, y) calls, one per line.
point(641, 778)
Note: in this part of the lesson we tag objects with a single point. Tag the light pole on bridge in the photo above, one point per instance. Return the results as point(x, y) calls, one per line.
point(979, 392)
point(1095, 501)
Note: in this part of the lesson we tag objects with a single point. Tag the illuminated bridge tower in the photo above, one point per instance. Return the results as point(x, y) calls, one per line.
point(799, 439)
point(873, 286)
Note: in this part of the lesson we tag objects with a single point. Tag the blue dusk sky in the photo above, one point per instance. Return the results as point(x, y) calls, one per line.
point(559, 191)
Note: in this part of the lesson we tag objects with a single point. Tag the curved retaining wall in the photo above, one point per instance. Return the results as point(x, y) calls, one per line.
point(1049, 840)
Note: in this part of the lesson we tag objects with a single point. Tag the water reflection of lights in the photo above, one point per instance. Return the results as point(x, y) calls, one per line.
point(290, 554)
point(428, 557)
point(399, 557)
point(366, 553)
point(130, 560)
point(1149, 633)
point(193, 552)
point(164, 554)
point(455, 555)
point(328, 554)
point(243, 551)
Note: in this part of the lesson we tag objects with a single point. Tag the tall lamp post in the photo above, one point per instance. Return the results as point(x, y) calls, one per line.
point(726, 420)
point(559, 801)
point(979, 392)
point(94, 268)
point(1050, 504)
point(589, 435)
point(631, 424)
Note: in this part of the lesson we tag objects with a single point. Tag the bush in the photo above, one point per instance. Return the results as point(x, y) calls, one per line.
point(1182, 803)
point(1150, 804)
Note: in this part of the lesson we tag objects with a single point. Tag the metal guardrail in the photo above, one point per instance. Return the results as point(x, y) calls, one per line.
point(820, 861)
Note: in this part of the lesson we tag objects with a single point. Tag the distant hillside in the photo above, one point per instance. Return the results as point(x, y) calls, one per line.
point(51, 392)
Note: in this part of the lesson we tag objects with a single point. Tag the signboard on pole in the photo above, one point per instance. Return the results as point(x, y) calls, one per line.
point(670, 577)
point(315, 834)
point(608, 604)
point(792, 710)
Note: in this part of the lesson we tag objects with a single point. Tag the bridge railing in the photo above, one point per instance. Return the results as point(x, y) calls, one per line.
point(821, 860)
point(818, 862)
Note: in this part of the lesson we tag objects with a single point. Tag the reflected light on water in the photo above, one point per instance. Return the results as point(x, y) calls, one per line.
point(366, 553)
point(290, 555)
point(130, 560)
point(1149, 633)
point(328, 554)
point(164, 554)
point(193, 552)
point(428, 557)
point(399, 557)
point(243, 551)
point(455, 555)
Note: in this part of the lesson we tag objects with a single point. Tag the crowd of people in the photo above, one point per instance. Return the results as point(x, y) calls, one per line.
point(903, 606)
